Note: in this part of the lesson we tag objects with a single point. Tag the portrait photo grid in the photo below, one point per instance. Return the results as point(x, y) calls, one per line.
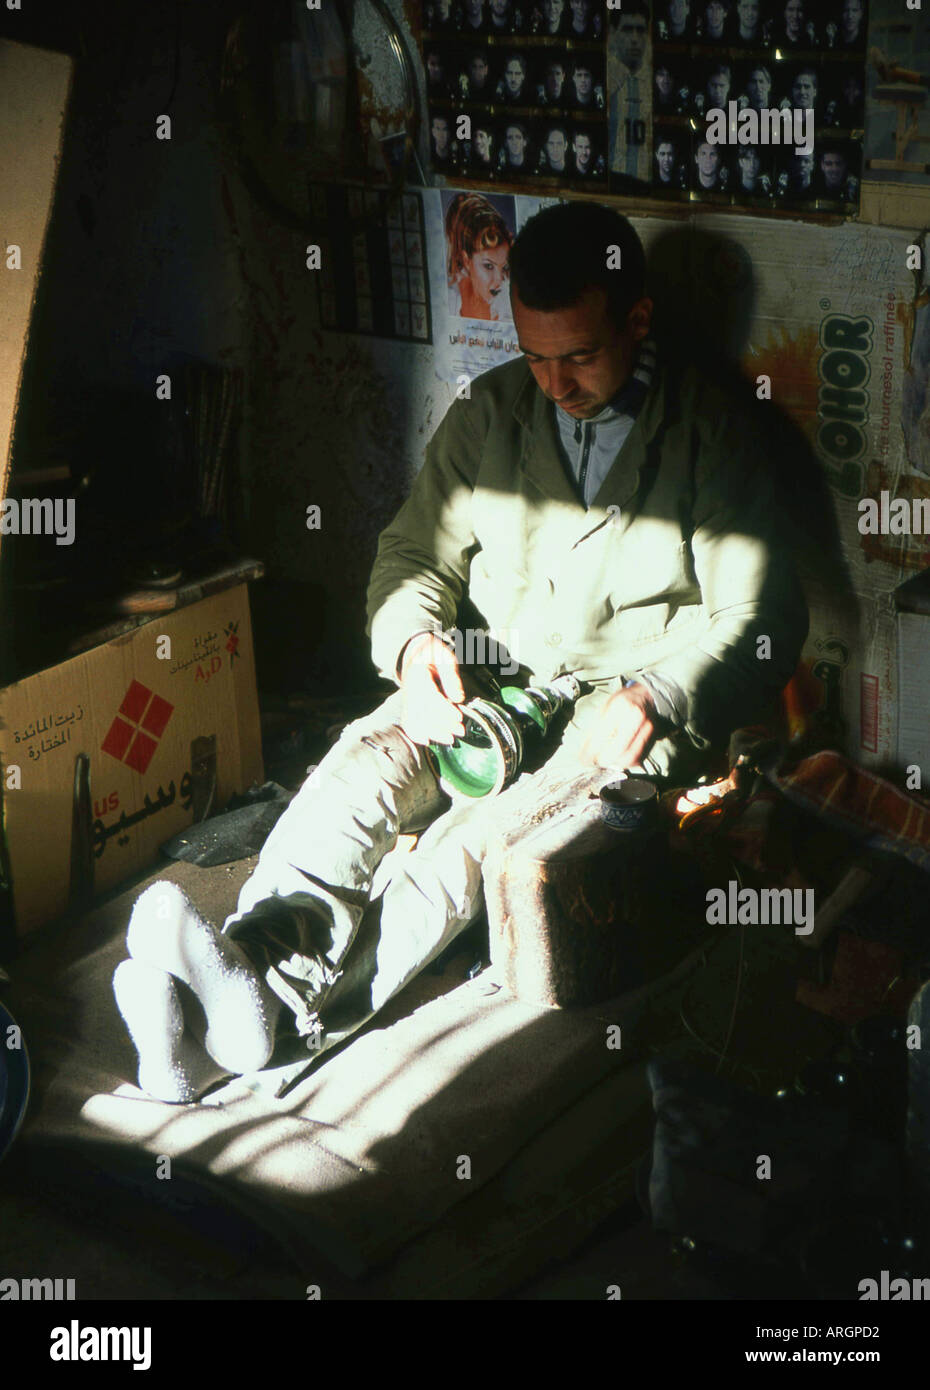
point(529, 78)
point(742, 56)
point(569, 94)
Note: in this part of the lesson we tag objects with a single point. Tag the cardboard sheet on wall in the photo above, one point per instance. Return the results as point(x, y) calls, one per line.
point(34, 87)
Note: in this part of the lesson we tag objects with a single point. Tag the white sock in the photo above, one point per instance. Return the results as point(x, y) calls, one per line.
point(171, 1065)
point(241, 1011)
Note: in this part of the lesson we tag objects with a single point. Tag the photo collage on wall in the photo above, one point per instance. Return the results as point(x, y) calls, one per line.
point(530, 77)
point(785, 55)
point(374, 280)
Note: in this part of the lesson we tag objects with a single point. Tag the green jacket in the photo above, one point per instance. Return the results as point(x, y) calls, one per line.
point(678, 568)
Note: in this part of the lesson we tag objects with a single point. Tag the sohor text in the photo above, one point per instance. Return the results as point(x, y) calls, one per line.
point(767, 127)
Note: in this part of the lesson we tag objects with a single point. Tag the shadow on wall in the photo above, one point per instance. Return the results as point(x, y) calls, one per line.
point(704, 289)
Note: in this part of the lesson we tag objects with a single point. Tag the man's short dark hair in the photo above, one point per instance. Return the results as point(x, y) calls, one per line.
point(563, 251)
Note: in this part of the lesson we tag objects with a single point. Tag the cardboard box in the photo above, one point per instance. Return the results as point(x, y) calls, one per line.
point(34, 90)
point(108, 755)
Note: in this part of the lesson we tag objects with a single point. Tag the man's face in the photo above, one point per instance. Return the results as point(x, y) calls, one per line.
point(581, 10)
point(804, 90)
point(444, 8)
point(631, 41)
point(483, 145)
point(475, 10)
point(579, 358)
point(718, 89)
point(499, 8)
point(440, 129)
point(678, 11)
point(489, 272)
point(834, 169)
point(516, 144)
point(582, 148)
point(513, 76)
point(749, 166)
point(434, 67)
point(748, 11)
point(664, 83)
point(851, 18)
point(665, 160)
point(555, 80)
point(715, 16)
point(852, 90)
point(478, 71)
point(758, 88)
point(556, 145)
point(707, 160)
point(794, 18)
point(802, 168)
point(583, 83)
point(552, 13)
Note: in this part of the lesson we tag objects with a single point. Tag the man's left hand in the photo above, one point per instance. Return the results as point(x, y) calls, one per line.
point(623, 731)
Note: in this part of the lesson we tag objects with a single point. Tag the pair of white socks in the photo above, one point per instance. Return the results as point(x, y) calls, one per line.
point(168, 941)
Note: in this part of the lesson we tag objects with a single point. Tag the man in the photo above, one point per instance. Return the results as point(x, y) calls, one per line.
point(796, 180)
point(759, 88)
point(444, 149)
point(713, 25)
point(752, 182)
point(440, 17)
point(629, 36)
point(586, 22)
point(584, 163)
point(552, 155)
point(550, 90)
point(550, 20)
point(514, 155)
point(835, 181)
point(666, 163)
point(804, 90)
point(512, 86)
point(586, 96)
point(711, 173)
point(669, 171)
point(474, 16)
point(675, 27)
point(669, 98)
point(504, 18)
point(851, 33)
point(749, 26)
point(483, 150)
point(478, 85)
point(615, 512)
point(789, 30)
point(716, 92)
point(630, 103)
point(437, 86)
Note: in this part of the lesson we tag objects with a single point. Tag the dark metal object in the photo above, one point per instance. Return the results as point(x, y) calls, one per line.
point(14, 1082)
point(81, 886)
point(203, 776)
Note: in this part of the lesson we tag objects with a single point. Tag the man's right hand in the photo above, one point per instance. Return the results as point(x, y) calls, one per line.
point(432, 691)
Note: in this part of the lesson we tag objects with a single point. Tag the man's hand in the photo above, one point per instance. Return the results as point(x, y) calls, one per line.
point(623, 731)
point(432, 691)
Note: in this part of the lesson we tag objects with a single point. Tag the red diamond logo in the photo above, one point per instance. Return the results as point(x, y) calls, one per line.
point(141, 710)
